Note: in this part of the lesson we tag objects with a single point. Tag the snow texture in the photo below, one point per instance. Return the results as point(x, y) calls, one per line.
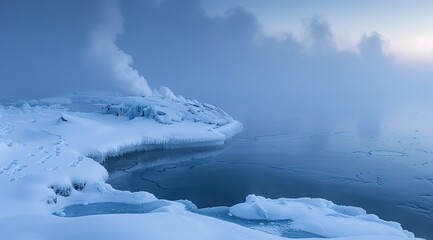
point(164, 107)
point(47, 163)
point(319, 216)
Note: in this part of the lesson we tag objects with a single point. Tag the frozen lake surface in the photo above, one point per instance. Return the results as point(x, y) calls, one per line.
point(390, 177)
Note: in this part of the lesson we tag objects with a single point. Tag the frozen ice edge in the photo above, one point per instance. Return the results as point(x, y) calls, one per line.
point(226, 132)
point(91, 177)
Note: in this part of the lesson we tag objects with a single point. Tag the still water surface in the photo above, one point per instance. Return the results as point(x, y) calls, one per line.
point(391, 177)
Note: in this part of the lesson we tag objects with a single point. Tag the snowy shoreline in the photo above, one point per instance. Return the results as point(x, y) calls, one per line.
point(49, 160)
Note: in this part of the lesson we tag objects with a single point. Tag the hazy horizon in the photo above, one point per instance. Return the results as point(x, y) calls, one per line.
point(231, 54)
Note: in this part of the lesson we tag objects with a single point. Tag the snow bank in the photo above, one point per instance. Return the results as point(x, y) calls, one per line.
point(47, 153)
point(320, 217)
point(155, 226)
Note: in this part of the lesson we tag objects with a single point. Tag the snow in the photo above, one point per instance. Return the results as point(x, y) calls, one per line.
point(157, 225)
point(50, 165)
point(318, 216)
point(168, 110)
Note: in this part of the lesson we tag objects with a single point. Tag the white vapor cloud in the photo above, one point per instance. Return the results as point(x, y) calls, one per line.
point(110, 61)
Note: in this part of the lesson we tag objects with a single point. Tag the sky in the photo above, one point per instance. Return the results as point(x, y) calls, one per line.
point(408, 25)
point(266, 63)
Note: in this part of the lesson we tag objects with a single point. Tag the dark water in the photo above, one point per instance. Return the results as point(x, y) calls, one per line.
point(391, 177)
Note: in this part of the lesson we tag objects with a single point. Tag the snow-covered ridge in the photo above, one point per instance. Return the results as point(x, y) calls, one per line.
point(164, 107)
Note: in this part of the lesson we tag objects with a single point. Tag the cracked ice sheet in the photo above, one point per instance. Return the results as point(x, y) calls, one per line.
point(44, 167)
